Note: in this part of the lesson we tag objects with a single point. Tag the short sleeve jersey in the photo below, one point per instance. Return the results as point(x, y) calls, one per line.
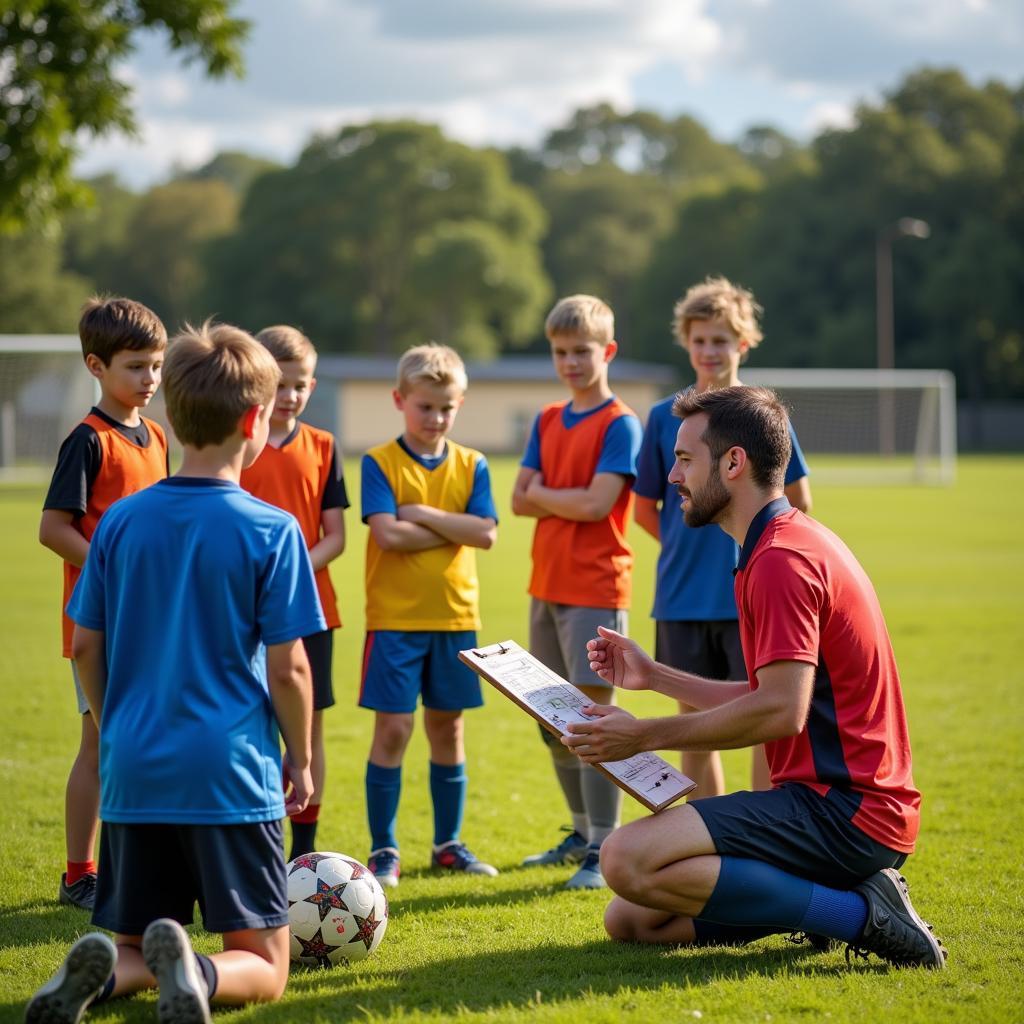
point(303, 476)
point(188, 580)
point(100, 462)
point(802, 596)
point(586, 564)
point(694, 578)
point(436, 589)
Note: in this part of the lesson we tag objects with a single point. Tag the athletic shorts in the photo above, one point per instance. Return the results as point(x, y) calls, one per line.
point(399, 667)
point(320, 651)
point(708, 648)
point(236, 873)
point(83, 704)
point(559, 635)
point(799, 831)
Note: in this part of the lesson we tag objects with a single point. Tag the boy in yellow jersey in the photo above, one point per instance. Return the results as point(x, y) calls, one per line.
point(299, 471)
point(428, 504)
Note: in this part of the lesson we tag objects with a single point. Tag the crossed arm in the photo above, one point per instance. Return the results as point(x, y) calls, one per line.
point(419, 527)
point(530, 497)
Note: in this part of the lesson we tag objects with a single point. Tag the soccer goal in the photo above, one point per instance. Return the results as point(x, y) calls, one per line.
point(44, 391)
point(871, 425)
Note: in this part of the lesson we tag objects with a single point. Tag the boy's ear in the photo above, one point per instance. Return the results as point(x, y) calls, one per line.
point(610, 349)
point(312, 384)
point(248, 421)
point(95, 365)
point(396, 397)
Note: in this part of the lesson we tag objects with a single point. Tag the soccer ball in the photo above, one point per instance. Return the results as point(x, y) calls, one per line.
point(337, 910)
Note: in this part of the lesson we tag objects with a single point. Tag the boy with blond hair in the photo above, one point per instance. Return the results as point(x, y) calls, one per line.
point(189, 616)
point(696, 625)
point(428, 504)
point(575, 480)
point(299, 471)
point(113, 452)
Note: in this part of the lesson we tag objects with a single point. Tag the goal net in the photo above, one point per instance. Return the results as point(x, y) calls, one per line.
point(860, 426)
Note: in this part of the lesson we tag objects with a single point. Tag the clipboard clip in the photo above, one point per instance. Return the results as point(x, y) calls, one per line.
point(487, 654)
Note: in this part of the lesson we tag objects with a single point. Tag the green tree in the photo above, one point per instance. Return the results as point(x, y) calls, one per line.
point(94, 234)
point(385, 235)
point(238, 170)
point(36, 296)
point(59, 79)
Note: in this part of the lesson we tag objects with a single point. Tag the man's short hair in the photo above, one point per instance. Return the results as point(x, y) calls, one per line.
point(287, 344)
point(750, 418)
point(583, 315)
point(212, 375)
point(430, 364)
point(111, 325)
point(717, 298)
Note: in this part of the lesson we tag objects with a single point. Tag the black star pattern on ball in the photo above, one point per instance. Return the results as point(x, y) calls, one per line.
point(308, 860)
point(327, 897)
point(358, 871)
point(316, 949)
point(367, 926)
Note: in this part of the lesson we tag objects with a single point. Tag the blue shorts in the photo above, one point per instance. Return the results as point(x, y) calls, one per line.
point(320, 652)
point(399, 666)
point(236, 873)
point(799, 831)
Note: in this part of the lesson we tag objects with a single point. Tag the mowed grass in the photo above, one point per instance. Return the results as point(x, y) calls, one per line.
point(948, 565)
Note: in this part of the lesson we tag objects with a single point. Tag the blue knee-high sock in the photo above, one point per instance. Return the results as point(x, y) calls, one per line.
point(448, 793)
point(383, 789)
point(750, 892)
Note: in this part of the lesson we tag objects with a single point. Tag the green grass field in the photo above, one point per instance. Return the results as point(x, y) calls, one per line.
point(948, 565)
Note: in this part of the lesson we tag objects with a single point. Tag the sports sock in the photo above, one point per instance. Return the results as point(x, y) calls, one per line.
point(448, 794)
point(383, 790)
point(209, 972)
point(78, 868)
point(304, 831)
point(752, 893)
point(106, 990)
point(567, 770)
point(602, 800)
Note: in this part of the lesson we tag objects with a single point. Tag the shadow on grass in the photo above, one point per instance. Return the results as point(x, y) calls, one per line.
point(41, 921)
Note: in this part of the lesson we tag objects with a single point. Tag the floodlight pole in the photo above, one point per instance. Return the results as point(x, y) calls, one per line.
point(905, 227)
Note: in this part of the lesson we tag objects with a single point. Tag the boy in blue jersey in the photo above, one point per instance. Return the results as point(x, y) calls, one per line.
point(185, 585)
point(716, 322)
point(428, 504)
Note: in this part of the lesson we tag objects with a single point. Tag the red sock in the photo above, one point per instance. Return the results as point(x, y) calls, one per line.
point(307, 817)
point(77, 868)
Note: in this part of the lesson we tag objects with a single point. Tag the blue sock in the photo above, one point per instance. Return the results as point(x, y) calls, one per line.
point(750, 892)
point(383, 789)
point(448, 793)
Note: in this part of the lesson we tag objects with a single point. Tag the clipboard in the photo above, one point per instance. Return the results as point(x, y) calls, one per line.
point(555, 703)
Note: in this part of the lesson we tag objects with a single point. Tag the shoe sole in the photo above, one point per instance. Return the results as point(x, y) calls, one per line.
point(387, 881)
point(593, 880)
point(902, 891)
point(66, 996)
point(171, 960)
point(551, 858)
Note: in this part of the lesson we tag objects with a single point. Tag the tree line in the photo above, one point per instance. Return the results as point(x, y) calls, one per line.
point(385, 234)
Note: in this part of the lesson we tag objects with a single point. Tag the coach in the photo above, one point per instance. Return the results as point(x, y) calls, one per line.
point(818, 852)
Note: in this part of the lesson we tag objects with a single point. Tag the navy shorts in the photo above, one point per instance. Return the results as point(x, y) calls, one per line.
point(236, 873)
point(399, 666)
point(710, 648)
point(799, 831)
point(320, 651)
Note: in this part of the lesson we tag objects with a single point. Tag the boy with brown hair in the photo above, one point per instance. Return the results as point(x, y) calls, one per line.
point(716, 323)
point(299, 471)
point(113, 452)
point(189, 616)
point(575, 480)
point(428, 504)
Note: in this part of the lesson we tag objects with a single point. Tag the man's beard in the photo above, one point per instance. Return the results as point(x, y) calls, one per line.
point(705, 506)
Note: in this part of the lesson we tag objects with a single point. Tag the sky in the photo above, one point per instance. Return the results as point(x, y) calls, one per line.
point(505, 72)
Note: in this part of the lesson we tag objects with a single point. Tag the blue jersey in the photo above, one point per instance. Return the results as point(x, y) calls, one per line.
point(695, 581)
point(188, 580)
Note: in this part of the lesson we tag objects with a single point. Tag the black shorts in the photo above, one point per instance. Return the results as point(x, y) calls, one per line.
point(235, 872)
point(795, 829)
point(320, 651)
point(709, 648)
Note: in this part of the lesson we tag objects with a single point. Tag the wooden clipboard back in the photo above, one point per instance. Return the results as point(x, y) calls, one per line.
point(555, 702)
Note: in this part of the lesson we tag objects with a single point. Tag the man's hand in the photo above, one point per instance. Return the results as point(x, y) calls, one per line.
point(619, 660)
point(297, 796)
point(613, 735)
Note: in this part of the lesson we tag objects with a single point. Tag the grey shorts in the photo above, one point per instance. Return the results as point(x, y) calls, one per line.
point(83, 704)
point(559, 635)
point(711, 649)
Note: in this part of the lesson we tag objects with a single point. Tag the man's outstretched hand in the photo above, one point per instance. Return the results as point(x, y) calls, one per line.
point(619, 660)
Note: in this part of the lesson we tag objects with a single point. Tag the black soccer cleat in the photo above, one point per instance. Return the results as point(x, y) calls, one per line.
point(81, 894)
point(78, 981)
point(894, 931)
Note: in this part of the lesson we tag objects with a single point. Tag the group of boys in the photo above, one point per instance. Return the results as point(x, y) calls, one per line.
point(196, 694)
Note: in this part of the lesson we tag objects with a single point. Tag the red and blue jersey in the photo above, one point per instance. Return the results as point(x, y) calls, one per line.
point(802, 596)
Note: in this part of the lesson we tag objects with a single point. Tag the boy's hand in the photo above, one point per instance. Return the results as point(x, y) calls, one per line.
point(619, 660)
point(297, 795)
point(614, 735)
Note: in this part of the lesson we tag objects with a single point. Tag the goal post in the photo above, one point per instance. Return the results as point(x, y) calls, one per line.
point(871, 425)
